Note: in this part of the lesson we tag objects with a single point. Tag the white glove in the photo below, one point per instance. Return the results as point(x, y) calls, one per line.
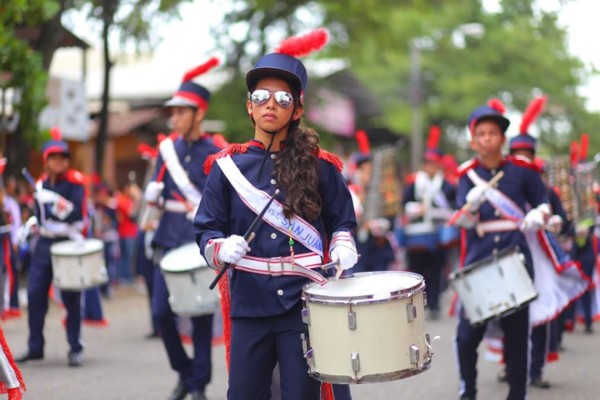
point(25, 230)
point(413, 209)
point(153, 191)
point(346, 256)
point(44, 196)
point(62, 207)
point(476, 197)
point(533, 221)
point(232, 249)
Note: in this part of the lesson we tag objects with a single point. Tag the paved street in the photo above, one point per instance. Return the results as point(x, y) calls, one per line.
point(121, 364)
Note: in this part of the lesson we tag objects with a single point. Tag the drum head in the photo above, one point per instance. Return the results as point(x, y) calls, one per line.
point(183, 258)
point(76, 247)
point(367, 285)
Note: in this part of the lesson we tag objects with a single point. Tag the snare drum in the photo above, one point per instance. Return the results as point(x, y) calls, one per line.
point(421, 236)
point(494, 287)
point(367, 328)
point(77, 265)
point(188, 277)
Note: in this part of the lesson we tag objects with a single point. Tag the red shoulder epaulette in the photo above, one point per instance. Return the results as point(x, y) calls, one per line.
point(525, 162)
point(410, 178)
point(75, 176)
point(331, 158)
point(234, 148)
point(466, 166)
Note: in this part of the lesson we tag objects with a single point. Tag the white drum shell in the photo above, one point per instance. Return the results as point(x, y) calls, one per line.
point(78, 265)
point(494, 287)
point(188, 276)
point(386, 328)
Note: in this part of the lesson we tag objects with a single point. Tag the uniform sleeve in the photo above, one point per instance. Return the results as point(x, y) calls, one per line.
point(409, 194)
point(211, 220)
point(535, 189)
point(337, 211)
point(450, 193)
point(464, 185)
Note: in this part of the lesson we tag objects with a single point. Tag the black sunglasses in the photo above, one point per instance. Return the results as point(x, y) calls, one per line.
point(261, 96)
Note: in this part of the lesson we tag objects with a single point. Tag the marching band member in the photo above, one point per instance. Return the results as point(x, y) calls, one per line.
point(61, 212)
point(372, 243)
point(585, 251)
point(558, 283)
point(428, 201)
point(312, 211)
point(177, 185)
point(11, 379)
point(493, 219)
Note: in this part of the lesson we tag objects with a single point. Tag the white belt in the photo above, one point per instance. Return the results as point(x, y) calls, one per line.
point(496, 225)
point(302, 265)
point(420, 228)
point(176, 206)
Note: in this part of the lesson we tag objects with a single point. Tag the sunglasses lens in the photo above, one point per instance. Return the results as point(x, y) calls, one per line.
point(284, 99)
point(260, 96)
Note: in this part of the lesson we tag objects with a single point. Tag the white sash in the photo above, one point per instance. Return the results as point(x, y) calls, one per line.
point(180, 177)
point(255, 199)
point(501, 202)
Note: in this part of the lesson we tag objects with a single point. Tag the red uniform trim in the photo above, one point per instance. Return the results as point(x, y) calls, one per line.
point(410, 178)
point(331, 158)
point(466, 166)
point(521, 161)
point(234, 148)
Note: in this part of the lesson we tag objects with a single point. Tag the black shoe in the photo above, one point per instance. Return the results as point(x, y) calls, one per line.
point(28, 357)
point(502, 376)
point(75, 358)
point(464, 397)
point(152, 335)
point(588, 329)
point(434, 315)
point(540, 383)
point(179, 392)
point(198, 396)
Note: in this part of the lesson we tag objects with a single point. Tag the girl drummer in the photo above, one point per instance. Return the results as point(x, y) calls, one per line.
point(311, 219)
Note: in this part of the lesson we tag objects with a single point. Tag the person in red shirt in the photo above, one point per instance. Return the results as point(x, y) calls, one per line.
point(127, 207)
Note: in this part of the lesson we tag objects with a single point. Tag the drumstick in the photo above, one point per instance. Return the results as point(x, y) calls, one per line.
point(249, 235)
point(490, 183)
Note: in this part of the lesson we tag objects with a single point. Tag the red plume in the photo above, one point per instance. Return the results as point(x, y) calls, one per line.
point(531, 113)
point(55, 133)
point(363, 142)
point(583, 149)
point(147, 151)
point(574, 152)
point(433, 139)
point(299, 46)
point(200, 69)
point(497, 105)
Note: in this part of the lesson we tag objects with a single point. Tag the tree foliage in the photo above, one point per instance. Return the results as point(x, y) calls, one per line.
point(522, 53)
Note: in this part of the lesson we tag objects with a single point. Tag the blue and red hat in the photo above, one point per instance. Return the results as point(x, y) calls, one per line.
point(284, 64)
point(524, 140)
point(493, 111)
point(191, 94)
point(433, 153)
point(55, 145)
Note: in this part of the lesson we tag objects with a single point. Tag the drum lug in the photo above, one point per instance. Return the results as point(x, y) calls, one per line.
point(355, 359)
point(306, 316)
point(352, 320)
point(513, 297)
point(500, 271)
point(411, 312)
point(308, 352)
point(414, 355)
point(479, 312)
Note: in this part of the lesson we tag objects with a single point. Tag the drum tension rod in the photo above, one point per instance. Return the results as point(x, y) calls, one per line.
point(352, 319)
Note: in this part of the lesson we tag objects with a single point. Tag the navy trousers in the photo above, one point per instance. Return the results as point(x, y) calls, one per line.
point(257, 344)
point(429, 264)
point(145, 267)
point(540, 336)
point(40, 279)
point(196, 371)
point(516, 352)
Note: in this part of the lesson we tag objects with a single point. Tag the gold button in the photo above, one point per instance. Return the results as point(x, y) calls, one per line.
point(273, 235)
point(280, 292)
point(273, 156)
point(273, 182)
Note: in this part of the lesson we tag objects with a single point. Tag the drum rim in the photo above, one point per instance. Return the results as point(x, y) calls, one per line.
point(191, 269)
point(365, 299)
point(374, 378)
point(505, 253)
point(60, 253)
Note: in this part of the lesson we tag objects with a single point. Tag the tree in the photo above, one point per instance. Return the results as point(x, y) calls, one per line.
point(522, 53)
point(27, 73)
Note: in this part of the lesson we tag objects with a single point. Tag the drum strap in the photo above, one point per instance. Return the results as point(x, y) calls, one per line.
point(501, 202)
point(299, 229)
point(301, 265)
